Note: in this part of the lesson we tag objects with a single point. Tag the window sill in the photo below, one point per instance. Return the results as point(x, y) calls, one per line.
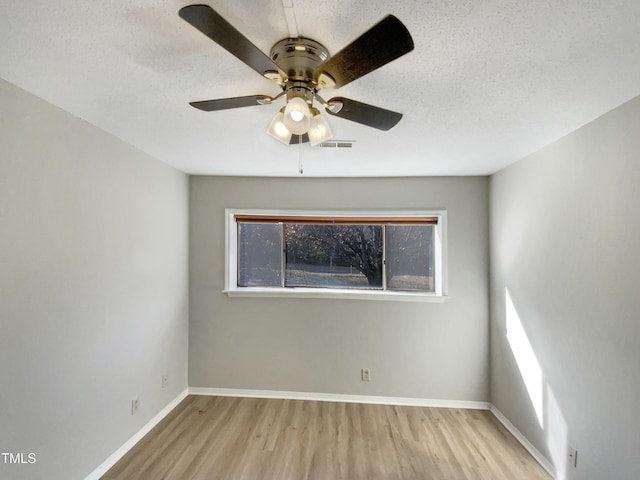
point(335, 293)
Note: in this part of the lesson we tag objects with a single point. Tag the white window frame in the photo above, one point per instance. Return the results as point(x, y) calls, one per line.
point(232, 289)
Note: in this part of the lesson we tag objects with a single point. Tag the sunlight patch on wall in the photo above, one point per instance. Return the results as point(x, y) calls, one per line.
point(525, 357)
point(544, 402)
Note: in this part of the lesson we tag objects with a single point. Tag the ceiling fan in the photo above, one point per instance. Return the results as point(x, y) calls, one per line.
point(302, 67)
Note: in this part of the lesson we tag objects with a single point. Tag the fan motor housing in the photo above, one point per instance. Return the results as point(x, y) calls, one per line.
point(299, 58)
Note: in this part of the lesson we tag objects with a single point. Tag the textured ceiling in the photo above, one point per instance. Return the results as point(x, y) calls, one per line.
point(488, 83)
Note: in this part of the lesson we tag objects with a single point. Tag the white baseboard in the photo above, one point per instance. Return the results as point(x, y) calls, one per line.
point(129, 444)
point(337, 397)
point(535, 453)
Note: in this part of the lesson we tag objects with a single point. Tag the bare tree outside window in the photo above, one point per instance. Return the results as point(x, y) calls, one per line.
point(346, 256)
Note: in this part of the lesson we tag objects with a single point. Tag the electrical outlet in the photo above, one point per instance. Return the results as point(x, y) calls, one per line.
point(365, 375)
point(135, 405)
point(165, 380)
point(572, 457)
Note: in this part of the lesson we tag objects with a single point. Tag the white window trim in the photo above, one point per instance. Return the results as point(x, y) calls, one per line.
point(440, 261)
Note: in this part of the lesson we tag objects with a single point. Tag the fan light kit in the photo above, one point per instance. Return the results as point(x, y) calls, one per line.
point(301, 67)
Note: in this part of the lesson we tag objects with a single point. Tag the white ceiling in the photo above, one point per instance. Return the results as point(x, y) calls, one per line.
point(489, 81)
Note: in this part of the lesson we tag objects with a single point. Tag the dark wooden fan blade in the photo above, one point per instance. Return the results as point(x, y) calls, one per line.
point(209, 22)
point(365, 114)
point(387, 40)
point(235, 102)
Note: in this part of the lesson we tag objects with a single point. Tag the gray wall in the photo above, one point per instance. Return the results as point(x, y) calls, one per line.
point(565, 245)
point(93, 288)
point(422, 350)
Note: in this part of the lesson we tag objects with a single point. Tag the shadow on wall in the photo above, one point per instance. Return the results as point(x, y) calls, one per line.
point(543, 401)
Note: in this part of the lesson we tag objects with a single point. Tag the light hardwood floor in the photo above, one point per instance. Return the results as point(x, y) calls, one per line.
point(207, 438)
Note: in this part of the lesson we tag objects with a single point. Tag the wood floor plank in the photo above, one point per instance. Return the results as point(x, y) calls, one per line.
point(229, 438)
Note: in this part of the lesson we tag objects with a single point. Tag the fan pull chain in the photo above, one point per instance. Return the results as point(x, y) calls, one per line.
point(300, 155)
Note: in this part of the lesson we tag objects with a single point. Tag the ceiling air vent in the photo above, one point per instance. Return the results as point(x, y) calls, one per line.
point(338, 144)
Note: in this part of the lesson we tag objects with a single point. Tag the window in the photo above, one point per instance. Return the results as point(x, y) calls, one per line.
point(336, 254)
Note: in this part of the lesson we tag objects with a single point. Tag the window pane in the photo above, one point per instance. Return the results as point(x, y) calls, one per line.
point(337, 256)
point(410, 257)
point(259, 255)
